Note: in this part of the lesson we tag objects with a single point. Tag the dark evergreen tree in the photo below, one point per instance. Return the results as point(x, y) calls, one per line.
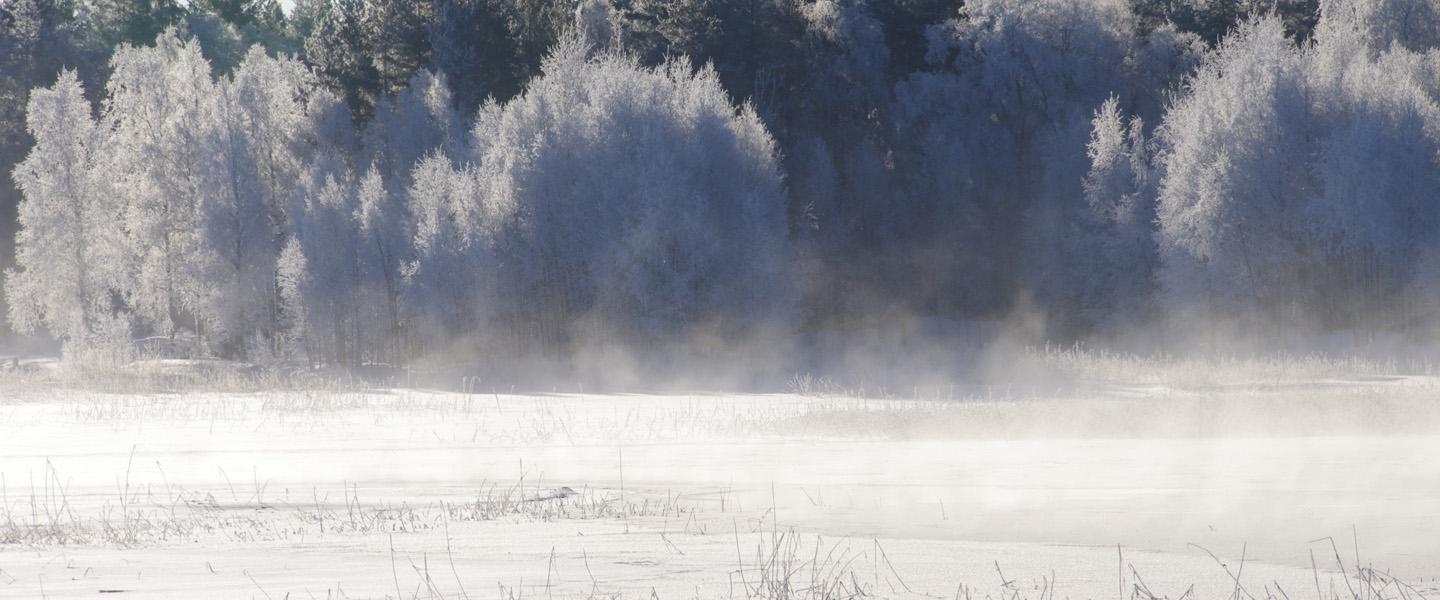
point(109, 23)
point(1213, 19)
point(753, 44)
point(365, 49)
point(905, 23)
point(471, 46)
point(305, 16)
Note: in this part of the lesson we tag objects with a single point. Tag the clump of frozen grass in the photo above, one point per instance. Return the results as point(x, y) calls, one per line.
point(1318, 408)
point(134, 516)
point(156, 376)
point(784, 567)
point(807, 384)
point(787, 566)
point(1321, 407)
point(516, 502)
point(168, 376)
point(97, 407)
point(467, 418)
point(1357, 582)
point(142, 515)
point(50, 519)
point(1086, 364)
point(560, 504)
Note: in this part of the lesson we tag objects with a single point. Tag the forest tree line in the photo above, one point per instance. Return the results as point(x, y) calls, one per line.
point(374, 180)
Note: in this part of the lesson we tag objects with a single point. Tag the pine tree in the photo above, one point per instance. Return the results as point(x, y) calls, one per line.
point(366, 49)
point(111, 23)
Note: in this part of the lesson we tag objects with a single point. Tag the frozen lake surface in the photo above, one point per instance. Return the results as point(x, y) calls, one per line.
point(1053, 513)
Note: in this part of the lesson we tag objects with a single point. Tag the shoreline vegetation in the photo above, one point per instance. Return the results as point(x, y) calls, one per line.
point(368, 182)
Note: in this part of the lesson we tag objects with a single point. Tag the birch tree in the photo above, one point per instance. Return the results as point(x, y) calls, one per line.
point(70, 251)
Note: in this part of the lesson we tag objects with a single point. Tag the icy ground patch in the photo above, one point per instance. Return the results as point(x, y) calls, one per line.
point(404, 493)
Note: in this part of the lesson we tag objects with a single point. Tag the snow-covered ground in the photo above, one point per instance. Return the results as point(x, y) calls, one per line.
point(434, 494)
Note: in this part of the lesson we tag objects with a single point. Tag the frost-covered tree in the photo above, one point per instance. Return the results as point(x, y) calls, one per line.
point(1236, 175)
point(993, 142)
point(599, 23)
point(942, 160)
point(842, 99)
point(159, 116)
point(259, 137)
point(384, 232)
point(37, 39)
point(410, 124)
point(70, 248)
point(609, 196)
point(236, 259)
point(1297, 183)
point(340, 275)
point(324, 226)
point(1374, 70)
point(1410, 24)
point(206, 168)
point(849, 60)
point(1113, 243)
point(282, 115)
point(450, 282)
point(292, 279)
